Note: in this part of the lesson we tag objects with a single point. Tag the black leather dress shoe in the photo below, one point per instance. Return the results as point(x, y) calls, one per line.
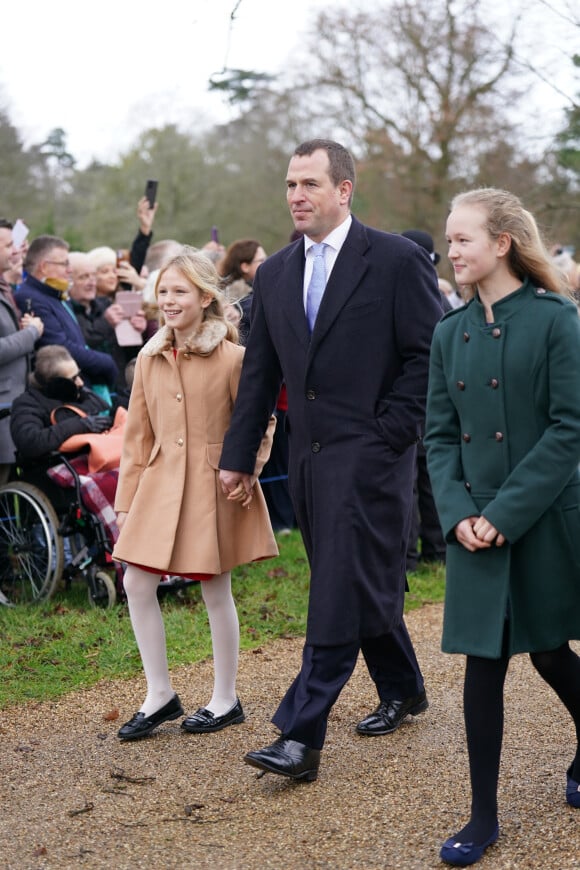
point(288, 758)
point(389, 715)
point(141, 725)
point(204, 722)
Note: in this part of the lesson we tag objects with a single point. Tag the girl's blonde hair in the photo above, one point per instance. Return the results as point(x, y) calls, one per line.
point(201, 272)
point(527, 256)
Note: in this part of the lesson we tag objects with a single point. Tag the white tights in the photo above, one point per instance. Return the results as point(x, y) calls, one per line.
point(149, 630)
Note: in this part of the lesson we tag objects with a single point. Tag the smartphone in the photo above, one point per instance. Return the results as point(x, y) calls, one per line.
point(122, 256)
point(214, 234)
point(151, 191)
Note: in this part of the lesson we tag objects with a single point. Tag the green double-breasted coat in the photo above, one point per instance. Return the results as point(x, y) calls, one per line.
point(503, 440)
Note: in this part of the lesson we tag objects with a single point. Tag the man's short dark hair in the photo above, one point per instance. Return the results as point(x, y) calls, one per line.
point(4, 224)
point(341, 164)
point(39, 248)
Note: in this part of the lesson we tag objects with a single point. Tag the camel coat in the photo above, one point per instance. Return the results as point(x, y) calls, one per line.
point(179, 521)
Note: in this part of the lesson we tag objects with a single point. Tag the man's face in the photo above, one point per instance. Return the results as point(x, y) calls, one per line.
point(84, 281)
point(5, 249)
point(316, 205)
point(56, 264)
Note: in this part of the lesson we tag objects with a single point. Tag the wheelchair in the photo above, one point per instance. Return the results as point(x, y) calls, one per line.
point(47, 535)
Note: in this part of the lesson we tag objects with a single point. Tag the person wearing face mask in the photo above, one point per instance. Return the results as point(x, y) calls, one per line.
point(44, 416)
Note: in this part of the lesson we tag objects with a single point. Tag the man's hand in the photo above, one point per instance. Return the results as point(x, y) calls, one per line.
point(114, 314)
point(31, 320)
point(237, 486)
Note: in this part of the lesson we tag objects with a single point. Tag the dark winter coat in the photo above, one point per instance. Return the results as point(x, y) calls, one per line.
point(32, 431)
point(356, 396)
point(503, 440)
point(61, 327)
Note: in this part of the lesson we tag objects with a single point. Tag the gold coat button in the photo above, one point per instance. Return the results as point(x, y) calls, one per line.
point(180, 442)
point(179, 397)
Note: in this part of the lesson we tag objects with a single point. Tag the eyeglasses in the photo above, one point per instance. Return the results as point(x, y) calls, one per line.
point(65, 263)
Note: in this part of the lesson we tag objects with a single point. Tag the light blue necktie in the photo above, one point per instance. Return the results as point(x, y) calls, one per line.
point(317, 283)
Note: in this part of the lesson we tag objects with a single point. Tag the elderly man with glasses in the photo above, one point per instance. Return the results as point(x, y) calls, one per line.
point(45, 293)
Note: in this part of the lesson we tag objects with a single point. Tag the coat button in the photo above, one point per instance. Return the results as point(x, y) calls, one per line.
point(499, 436)
point(180, 442)
point(315, 447)
point(467, 486)
point(460, 385)
point(467, 437)
point(540, 291)
point(494, 383)
point(496, 332)
point(310, 394)
point(466, 336)
point(179, 397)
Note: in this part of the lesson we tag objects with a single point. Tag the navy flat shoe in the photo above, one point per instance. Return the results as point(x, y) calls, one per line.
point(572, 790)
point(141, 725)
point(464, 854)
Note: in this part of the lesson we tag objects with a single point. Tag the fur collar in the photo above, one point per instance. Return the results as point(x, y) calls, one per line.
point(203, 342)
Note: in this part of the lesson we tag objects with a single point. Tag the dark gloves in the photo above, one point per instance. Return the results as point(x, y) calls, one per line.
point(96, 423)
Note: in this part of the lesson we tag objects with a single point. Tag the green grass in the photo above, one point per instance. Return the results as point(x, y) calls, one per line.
point(63, 644)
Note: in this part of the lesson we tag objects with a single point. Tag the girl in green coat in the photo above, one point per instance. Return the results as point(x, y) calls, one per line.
point(503, 447)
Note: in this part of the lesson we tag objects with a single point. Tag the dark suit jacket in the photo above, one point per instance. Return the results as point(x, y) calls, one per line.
point(356, 397)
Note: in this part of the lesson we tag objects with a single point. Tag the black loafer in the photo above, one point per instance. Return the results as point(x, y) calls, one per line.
point(390, 714)
point(141, 725)
point(203, 721)
point(287, 758)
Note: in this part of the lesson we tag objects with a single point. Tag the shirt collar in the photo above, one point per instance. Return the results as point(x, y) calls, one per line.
point(335, 238)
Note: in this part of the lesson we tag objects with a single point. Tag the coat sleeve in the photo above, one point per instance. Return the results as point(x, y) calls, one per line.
point(258, 391)
point(265, 447)
point(32, 431)
point(443, 446)
point(542, 474)
point(417, 311)
point(138, 442)
point(17, 344)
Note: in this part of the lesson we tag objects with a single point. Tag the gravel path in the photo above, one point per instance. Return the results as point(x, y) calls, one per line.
point(74, 796)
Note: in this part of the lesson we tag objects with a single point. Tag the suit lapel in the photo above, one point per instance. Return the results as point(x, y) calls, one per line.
point(346, 275)
point(292, 295)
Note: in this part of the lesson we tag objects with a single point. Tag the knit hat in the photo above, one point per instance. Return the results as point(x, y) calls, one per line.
point(424, 240)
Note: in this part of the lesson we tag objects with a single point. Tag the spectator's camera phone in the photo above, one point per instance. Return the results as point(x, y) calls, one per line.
point(151, 191)
point(122, 256)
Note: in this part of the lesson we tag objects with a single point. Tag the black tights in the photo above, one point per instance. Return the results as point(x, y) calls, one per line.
point(483, 708)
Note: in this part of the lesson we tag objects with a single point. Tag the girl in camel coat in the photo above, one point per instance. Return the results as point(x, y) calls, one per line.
point(172, 514)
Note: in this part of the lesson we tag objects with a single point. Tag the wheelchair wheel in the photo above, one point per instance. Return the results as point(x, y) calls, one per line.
point(102, 592)
point(31, 549)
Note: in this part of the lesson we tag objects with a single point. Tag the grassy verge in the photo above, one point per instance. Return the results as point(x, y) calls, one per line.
point(64, 644)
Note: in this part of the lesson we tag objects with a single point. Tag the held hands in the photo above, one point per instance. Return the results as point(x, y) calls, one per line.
point(238, 486)
point(477, 533)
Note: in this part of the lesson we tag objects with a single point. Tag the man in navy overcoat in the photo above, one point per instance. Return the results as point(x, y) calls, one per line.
point(356, 382)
